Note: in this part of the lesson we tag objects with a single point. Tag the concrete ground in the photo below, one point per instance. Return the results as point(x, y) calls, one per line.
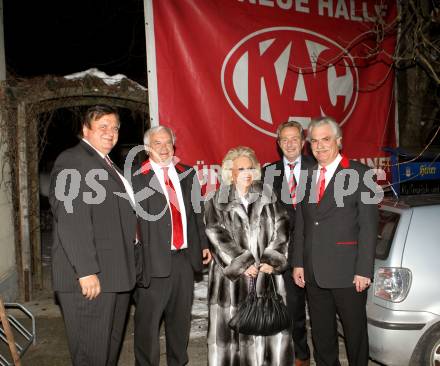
point(51, 347)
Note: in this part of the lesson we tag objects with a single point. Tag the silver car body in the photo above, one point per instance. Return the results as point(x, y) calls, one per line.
point(396, 329)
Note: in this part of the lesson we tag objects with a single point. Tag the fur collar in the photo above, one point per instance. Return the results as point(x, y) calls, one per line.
point(226, 198)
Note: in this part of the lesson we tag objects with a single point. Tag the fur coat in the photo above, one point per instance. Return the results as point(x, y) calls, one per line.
point(239, 239)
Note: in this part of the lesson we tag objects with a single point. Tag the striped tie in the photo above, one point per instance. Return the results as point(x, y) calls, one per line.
point(292, 183)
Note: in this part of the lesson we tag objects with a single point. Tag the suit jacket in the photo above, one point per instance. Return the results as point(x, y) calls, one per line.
point(281, 189)
point(334, 243)
point(157, 228)
point(90, 238)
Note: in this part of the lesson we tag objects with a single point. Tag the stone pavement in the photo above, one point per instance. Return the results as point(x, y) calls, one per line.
point(51, 348)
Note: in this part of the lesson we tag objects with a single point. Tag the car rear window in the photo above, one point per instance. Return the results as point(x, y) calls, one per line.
point(387, 228)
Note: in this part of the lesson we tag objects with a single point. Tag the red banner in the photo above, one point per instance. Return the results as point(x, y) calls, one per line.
point(224, 73)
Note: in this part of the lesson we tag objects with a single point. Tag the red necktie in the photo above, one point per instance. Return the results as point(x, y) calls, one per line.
point(321, 184)
point(175, 211)
point(292, 183)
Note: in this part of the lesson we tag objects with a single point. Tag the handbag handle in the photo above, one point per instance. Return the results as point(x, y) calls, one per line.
point(252, 285)
point(274, 289)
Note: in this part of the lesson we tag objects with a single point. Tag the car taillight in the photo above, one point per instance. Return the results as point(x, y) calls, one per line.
point(392, 284)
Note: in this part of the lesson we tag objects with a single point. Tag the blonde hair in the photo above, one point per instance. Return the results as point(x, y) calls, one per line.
point(235, 153)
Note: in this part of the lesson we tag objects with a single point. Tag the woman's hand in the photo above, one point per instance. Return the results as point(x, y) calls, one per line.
point(252, 271)
point(266, 268)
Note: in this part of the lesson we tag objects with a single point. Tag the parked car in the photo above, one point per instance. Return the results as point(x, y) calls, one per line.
point(403, 305)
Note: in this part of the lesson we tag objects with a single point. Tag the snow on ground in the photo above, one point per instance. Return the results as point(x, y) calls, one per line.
point(199, 323)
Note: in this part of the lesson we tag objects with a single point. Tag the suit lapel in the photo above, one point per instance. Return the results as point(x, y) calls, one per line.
point(148, 180)
point(279, 179)
point(102, 163)
point(186, 184)
point(326, 200)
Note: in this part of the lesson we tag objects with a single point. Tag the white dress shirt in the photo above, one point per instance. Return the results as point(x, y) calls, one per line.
point(330, 170)
point(174, 177)
point(296, 170)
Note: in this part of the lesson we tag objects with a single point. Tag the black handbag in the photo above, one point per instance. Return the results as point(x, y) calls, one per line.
point(265, 315)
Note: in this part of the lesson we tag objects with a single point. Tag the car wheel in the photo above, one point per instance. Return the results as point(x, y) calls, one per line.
point(428, 351)
point(434, 355)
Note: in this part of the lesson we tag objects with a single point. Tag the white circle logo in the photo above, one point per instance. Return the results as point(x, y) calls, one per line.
point(287, 73)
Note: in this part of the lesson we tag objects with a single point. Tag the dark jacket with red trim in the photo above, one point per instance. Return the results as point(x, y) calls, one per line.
point(155, 218)
point(336, 239)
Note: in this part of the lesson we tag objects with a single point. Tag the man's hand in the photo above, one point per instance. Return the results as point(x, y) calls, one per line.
point(298, 276)
point(361, 283)
point(266, 268)
point(207, 256)
point(252, 271)
point(90, 286)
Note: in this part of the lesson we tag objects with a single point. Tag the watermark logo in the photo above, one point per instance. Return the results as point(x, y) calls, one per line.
point(70, 186)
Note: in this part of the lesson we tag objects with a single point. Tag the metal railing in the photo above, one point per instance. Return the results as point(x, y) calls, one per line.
point(10, 325)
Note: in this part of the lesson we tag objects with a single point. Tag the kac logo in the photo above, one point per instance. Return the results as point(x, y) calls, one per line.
point(284, 73)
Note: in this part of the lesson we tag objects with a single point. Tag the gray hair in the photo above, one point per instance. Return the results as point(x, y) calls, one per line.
point(287, 124)
point(235, 153)
point(325, 120)
point(156, 129)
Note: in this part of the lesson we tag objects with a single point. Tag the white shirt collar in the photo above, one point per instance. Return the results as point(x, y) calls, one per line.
point(94, 148)
point(330, 169)
point(158, 167)
point(286, 162)
point(333, 165)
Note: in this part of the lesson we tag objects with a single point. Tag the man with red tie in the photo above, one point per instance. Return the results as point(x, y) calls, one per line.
point(334, 246)
point(176, 247)
point(286, 176)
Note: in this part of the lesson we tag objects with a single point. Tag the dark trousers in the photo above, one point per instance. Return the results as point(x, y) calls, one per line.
point(324, 304)
point(296, 304)
point(168, 298)
point(95, 328)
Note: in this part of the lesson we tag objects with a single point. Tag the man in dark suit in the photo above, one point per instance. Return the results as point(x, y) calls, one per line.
point(335, 240)
point(286, 176)
point(93, 249)
point(175, 243)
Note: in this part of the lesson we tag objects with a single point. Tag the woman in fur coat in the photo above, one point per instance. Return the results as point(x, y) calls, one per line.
point(249, 236)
